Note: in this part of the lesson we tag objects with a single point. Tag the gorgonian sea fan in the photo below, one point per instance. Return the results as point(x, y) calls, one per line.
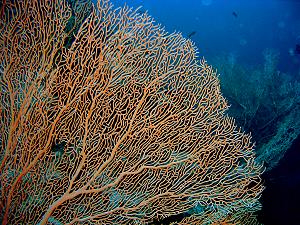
point(121, 125)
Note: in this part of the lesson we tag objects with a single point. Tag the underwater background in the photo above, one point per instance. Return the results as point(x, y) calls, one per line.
point(255, 46)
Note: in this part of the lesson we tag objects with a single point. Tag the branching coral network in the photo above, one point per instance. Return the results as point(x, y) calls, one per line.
point(108, 119)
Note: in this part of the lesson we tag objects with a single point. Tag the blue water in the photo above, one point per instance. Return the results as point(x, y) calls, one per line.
point(258, 24)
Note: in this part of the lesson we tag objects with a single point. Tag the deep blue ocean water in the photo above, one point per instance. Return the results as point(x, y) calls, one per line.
point(245, 29)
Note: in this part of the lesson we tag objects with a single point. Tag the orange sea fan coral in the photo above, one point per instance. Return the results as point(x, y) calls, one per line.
point(123, 126)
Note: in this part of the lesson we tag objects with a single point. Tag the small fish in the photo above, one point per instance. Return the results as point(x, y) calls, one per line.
point(191, 34)
point(141, 11)
point(235, 14)
point(59, 147)
point(297, 49)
